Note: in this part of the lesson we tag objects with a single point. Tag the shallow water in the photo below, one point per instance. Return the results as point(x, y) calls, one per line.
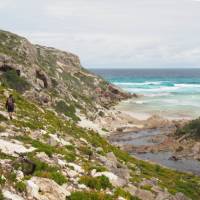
point(185, 165)
point(144, 138)
point(137, 139)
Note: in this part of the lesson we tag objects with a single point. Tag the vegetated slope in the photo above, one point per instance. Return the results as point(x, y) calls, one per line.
point(71, 162)
point(75, 162)
point(191, 128)
point(54, 78)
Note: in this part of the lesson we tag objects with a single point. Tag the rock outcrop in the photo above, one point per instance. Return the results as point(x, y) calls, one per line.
point(55, 76)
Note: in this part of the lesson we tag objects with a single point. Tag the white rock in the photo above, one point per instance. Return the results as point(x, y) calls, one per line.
point(32, 188)
point(45, 189)
point(109, 175)
point(61, 163)
point(10, 148)
point(72, 173)
point(76, 167)
point(83, 140)
point(121, 198)
point(93, 172)
point(114, 179)
point(99, 149)
point(19, 175)
point(11, 196)
point(54, 140)
point(82, 186)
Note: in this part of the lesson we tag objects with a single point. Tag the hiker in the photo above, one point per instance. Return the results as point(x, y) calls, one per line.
point(10, 106)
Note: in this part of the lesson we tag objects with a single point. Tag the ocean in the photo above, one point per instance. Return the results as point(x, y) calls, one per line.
point(171, 93)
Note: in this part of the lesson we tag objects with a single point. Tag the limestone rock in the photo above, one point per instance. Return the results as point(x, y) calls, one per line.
point(115, 180)
point(45, 189)
point(11, 196)
point(76, 167)
point(11, 148)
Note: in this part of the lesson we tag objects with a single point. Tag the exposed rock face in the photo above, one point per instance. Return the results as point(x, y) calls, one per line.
point(45, 189)
point(56, 75)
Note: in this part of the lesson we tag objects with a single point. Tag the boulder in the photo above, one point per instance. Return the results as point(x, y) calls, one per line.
point(76, 167)
point(55, 140)
point(11, 196)
point(144, 194)
point(45, 189)
point(11, 148)
point(115, 180)
point(196, 148)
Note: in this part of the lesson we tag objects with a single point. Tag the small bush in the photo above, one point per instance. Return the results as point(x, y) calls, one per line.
point(58, 178)
point(2, 180)
point(69, 111)
point(2, 118)
point(89, 196)
point(20, 186)
point(2, 128)
point(86, 150)
point(13, 80)
point(1, 195)
point(46, 171)
point(97, 183)
point(119, 192)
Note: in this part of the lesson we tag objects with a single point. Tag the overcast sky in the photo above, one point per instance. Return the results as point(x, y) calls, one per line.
point(111, 33)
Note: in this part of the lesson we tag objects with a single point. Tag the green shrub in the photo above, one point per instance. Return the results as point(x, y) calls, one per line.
point(86, 150)
point(1, 195)
point(46, 171)
point(2, 180)
point(97, 183)
point(20, 186)
point(13, 80)
point(193, 127)
point(89, 196)
point(58, 178)
point(2, 128)
point(69, 111)
point(119, 192)
point(2, 118)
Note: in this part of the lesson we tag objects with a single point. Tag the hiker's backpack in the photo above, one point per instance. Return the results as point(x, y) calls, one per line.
point(10, 102)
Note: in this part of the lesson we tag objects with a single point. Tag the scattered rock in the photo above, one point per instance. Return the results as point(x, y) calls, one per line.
point(45, 189)
point(55, 140)
point(76, 167)
point(11, 196)
point(19, 175)
point(115, 180)
point(11, 148)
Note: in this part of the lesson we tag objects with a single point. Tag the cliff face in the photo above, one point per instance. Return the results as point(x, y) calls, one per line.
point(55, 76)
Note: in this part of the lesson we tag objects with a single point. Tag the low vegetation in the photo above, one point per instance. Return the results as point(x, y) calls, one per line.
point(193, 128)
point(68, 110)
point(13, 80)
point(97, 183)
point(89, 196)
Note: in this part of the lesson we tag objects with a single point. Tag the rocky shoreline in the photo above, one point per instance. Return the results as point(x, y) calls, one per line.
point(127, 136)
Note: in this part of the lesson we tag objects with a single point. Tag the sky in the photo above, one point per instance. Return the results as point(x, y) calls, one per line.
point(111, 33)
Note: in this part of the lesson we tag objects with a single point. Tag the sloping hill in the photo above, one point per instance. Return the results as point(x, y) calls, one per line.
point(53, 77)
point(62, 160)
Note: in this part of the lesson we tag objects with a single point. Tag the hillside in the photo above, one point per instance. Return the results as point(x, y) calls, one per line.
point(53, 77)
point(67, 161)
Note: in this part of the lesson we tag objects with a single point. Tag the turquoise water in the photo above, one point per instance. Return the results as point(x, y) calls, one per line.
point(172, 93)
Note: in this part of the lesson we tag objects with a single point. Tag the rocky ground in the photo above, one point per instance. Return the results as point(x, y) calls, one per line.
point(46, 154)
point(70, 162)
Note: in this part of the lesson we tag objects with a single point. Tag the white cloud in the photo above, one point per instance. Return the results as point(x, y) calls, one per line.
point(113, 32)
